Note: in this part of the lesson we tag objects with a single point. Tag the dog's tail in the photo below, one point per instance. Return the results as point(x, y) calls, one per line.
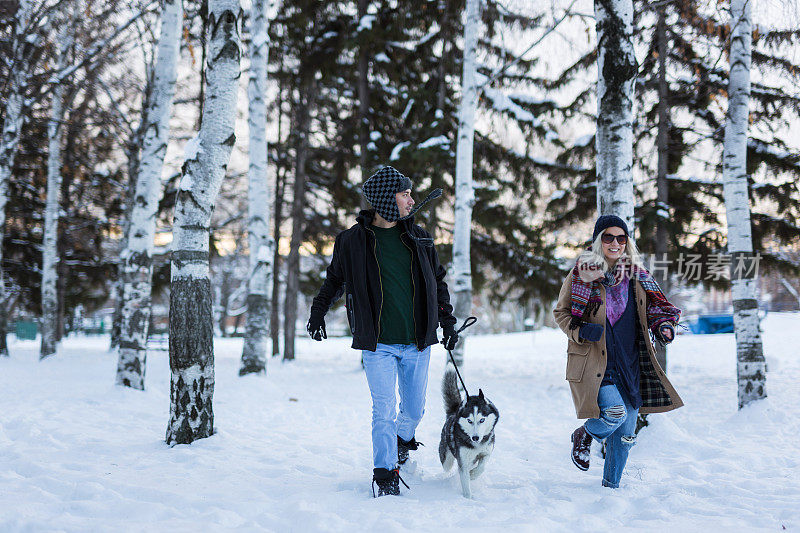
point(450, 392)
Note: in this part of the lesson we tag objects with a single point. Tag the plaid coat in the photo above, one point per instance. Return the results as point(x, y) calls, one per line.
point(586, 361)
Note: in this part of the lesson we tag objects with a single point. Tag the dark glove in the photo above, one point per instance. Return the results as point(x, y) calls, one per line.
point(316, 328)
point(591, 332)
point(449, 338)
point(666, 334)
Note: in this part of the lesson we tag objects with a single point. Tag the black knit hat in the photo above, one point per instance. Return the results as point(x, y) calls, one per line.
point(608, 221)
point(380, 190)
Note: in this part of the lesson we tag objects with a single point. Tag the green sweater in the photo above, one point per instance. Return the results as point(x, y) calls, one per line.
point(394, 263)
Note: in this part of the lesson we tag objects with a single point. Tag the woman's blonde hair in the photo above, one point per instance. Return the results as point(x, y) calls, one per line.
point(596, 256)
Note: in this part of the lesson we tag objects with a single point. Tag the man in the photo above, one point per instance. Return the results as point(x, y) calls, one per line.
point(395, 299)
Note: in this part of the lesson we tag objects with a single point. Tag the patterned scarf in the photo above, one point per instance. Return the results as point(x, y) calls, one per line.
point(586, 296)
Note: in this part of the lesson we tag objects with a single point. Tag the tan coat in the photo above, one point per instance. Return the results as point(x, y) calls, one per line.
point(586, 361)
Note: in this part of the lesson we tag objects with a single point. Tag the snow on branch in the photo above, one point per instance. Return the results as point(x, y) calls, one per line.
point(503, 104)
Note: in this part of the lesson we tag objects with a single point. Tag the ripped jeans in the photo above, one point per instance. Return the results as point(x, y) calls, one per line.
point(617, 425)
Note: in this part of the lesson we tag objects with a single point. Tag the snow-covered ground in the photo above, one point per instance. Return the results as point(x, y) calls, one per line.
point(293, 452)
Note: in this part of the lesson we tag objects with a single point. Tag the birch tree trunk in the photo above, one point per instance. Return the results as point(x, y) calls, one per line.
point(303, 117)
point(616, 69)
point(191, 349)
point(751, 366)
point(254, 353)
point(12, 131)
point(137, 259)
point(50, 237)
point(465, 195)
point(133, 152)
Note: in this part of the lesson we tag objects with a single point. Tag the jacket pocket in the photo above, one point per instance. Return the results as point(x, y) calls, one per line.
point(350, 314)
point(577, 355)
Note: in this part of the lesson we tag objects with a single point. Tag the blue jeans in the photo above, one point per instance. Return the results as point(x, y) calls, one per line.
point(383, 367)
point(617, 425)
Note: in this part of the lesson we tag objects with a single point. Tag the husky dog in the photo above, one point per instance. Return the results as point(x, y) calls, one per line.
point(468, 432)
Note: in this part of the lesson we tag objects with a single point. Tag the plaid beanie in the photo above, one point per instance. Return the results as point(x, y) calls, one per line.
point(380, 190)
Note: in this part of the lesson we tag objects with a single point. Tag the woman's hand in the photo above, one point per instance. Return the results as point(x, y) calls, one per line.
point(666, 333)
point(589, 268)
point(591, 332)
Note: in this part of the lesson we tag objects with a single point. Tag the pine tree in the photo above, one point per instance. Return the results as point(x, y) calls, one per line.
point(414, 66)
point(681, 201)
point(320, 93)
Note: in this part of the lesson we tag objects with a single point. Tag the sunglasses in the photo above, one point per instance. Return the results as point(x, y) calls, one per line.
point(608, 239)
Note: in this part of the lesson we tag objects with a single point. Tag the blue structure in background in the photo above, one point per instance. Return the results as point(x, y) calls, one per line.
point(705, 324)
point(26, 330)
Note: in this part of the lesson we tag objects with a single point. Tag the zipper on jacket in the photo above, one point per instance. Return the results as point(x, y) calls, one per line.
point(380, 309)
point(413, 290)
point(351, 315)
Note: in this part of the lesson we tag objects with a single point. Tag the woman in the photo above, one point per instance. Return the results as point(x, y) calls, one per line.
point(609, 307)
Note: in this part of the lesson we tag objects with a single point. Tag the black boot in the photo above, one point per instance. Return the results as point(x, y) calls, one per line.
point(581, 445)
point(403, 447)
point(388, 482)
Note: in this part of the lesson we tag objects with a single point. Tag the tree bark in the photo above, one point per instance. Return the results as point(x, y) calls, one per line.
point(751, 365)
point(191, 348)
point(280, 186)
point(363, 97)
point(61, 289)
point(275, 319)
point(254, 352)
point(137, 259)
point(465, 195)
point(133, 152)
point(303, 118)
point(12, 132)
point(50, 234)
point(616, 68)
point(662, 207)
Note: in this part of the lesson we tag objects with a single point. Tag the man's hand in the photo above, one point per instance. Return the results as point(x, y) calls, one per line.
point(591, 332)
point(316, 328)
point(449, 338)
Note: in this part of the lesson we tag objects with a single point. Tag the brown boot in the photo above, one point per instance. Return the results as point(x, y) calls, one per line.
point(581, 446)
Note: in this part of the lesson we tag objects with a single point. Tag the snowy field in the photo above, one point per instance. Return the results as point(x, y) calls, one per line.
point(293, 453)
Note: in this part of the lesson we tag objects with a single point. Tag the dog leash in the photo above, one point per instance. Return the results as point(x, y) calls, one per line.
point(467, 323)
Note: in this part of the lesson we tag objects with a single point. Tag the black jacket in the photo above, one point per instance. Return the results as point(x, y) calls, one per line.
point(354, 272)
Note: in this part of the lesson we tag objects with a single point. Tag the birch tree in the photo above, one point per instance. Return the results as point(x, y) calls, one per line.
point(254, 353)
point(751, 366)
point(465, 196)
point(12, 131)
point(50, 237)
point(133, 151)
point(616, 72)
point(137, 258)
point(191, 349)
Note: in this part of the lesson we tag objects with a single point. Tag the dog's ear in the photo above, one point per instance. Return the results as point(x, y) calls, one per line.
point(480, 394)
